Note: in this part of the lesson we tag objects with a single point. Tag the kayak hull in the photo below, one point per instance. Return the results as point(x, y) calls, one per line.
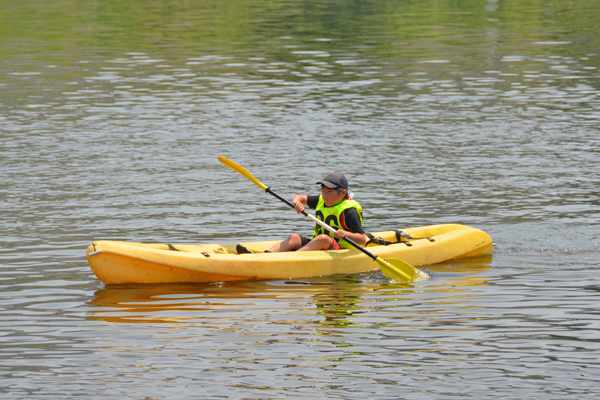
point(116, 262)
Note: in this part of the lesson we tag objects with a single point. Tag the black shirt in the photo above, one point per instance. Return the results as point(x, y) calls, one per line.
point(349, 222)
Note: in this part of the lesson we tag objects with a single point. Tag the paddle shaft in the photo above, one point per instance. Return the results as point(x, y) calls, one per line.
point(323, 224)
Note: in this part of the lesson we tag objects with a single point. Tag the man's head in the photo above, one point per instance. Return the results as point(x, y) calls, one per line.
point(335, 188)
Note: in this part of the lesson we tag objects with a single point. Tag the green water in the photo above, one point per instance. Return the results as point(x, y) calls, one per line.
point(59, 39)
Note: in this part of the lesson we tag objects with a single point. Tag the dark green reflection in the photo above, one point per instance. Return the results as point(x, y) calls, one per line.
point(391, 29)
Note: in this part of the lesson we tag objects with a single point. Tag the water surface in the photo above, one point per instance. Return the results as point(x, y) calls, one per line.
point(481, 113)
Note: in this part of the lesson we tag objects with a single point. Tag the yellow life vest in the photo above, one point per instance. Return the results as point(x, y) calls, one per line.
point(331, 216)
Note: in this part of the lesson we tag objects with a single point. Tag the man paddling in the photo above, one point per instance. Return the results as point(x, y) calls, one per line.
point(336, 208)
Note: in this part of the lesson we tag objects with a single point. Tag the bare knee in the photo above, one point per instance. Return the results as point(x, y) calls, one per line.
point(320, 242)
point(295, 241)
point(323, 238)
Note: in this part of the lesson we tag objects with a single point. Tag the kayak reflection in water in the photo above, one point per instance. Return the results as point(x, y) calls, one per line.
point(336, 208)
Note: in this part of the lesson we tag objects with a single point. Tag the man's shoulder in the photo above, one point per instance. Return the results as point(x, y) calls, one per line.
point(312, 200)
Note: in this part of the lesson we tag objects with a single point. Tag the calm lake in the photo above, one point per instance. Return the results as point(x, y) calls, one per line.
point(484, 113)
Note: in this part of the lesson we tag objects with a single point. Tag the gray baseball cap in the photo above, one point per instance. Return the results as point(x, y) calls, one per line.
point(335, 180)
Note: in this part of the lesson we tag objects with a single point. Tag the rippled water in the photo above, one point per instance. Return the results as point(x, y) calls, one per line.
point(482, 113)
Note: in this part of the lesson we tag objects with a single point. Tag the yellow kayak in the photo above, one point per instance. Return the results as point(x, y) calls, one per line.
point(122, 262)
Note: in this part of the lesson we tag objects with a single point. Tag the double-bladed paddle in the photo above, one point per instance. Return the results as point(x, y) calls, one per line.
point(392, 268)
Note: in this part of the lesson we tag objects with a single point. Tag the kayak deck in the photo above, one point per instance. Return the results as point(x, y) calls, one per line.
point(116, 262)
